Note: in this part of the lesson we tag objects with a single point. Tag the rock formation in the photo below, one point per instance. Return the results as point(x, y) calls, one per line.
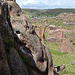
point(60, 35)
point(22, 53)
point(40, 32)
point(66, 15)
point(66, 46)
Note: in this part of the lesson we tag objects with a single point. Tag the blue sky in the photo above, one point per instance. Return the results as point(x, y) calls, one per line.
point(46, 4)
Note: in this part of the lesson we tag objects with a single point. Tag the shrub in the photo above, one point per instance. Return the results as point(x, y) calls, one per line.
point(40, 38)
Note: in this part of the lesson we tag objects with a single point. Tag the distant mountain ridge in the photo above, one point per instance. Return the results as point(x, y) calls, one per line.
point(46, 12)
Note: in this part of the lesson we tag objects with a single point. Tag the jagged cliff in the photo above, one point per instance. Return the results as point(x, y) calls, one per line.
point(21, 50)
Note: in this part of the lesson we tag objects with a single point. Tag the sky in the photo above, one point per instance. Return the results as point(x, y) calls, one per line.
point(46, 4)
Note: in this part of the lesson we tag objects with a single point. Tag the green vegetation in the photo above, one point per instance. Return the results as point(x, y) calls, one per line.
point(60, 58)
point(73, 46)
point(46, 32)
point(57, 52)
point(8, 17)
point(66, 59)
point(40, 38)
point(45, 13)
point(54, 45)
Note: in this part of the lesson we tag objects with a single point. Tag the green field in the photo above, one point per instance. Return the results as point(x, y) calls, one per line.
point(60, 58)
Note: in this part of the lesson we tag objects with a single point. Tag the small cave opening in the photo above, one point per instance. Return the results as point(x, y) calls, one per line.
point(18, 32)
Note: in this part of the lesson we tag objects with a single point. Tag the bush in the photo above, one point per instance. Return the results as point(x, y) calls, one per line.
point(40, 38)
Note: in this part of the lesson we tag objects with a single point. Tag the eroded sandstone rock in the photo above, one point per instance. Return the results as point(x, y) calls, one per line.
point(66, 46)
point(32, 42)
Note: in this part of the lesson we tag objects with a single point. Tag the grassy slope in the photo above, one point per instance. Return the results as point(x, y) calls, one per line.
point(60, 58)
point(66, 59)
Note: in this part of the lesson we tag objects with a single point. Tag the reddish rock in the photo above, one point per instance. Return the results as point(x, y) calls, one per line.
point(37, 31)
point(40, 32)
point(60, 35)
point(55, 29)
point(52, 28)
point(66, 46)
point(66, 15)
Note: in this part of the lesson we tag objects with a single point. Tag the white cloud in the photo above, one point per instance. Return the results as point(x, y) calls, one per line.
point(49, 3)
point(29, 2)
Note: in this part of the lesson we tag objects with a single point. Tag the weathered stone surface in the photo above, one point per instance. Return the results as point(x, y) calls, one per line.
point(53, 39)
point(60, 35)
point(66, 46)
point(32, 42)
point(4, 68)
point(40, 32)
point(16, 64)
point(17, 67)
point(19, 22)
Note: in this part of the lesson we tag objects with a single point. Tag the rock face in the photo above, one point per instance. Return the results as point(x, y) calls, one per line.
point(31, 40)
point(4, 68)
point(24, 54)
point(60, 35)
point(17, 65)
point(66, 46)
point(40, 32)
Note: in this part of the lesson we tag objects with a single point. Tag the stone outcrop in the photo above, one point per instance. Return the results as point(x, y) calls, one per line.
point(16, 63)
point(4, 68)
point(60, 35)
point(40, 32)
point(55, 29)
point(25, 53)
point(66, 15)
point(31, 40)
point(66, 46)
